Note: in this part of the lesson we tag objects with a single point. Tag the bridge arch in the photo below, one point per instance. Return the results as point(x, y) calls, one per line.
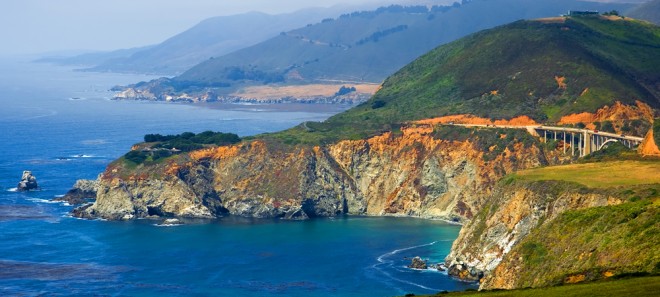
point(606, 142)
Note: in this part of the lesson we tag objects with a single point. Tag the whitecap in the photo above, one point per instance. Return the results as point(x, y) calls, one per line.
point(13, 190)
point(59, 196)
point(82, 156)
point(167, 225)
point(94, 141)
point(382, 261)
point(38, 200)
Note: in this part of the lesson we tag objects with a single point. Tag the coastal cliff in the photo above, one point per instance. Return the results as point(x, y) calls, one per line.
point(510, 214)
point(534, 233)
point(414, 172)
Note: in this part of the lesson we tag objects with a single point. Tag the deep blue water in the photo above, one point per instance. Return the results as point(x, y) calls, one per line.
point(61, 125)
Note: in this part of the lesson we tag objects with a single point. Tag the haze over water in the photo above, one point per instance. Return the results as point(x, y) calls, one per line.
point(61, 125)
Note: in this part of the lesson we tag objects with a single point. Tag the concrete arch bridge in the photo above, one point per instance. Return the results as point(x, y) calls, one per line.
point(573, 140)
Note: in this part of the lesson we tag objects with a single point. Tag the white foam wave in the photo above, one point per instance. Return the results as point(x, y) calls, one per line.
point(44, 201)
point(59, 196)
point(13, 190)
point(82, 156)
point(394, 252)
point(382, 261)
point(167, 225)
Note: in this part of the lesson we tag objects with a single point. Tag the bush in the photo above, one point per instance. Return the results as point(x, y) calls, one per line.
point(136, 156)
point(345, 90)
point(378, 104)
point(168, 145)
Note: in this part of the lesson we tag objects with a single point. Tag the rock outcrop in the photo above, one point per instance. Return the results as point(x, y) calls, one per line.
point(82, 191)
point(508, 216)
point(28, 182)
point(649, 147)
point(418, 263)
point(413, 174)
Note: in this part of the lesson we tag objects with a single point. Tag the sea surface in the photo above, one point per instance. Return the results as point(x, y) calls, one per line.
point(62, 125)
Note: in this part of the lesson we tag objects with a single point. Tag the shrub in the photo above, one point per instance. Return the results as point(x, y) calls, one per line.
point(378, 104)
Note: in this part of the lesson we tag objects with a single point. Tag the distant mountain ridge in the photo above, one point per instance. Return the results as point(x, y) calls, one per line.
point(212, 37)
point(649, 11)
point(364, 46)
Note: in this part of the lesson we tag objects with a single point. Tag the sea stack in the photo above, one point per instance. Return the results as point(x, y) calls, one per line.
point(418, 263)
point(28, 182)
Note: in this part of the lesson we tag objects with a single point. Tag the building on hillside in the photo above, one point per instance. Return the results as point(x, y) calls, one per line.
point(581, 13)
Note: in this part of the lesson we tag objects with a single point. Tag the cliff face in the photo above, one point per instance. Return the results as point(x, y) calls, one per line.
point(413, 174)
point(507, 217)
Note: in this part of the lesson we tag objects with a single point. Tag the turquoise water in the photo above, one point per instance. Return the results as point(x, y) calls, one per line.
point(61, 125)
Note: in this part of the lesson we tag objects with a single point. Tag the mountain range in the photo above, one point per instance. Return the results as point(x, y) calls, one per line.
point(211, 37)
point(363, 46)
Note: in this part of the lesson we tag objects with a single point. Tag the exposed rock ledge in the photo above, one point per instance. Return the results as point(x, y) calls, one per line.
point(507, 217)
point(82, 191)
point(414, 174)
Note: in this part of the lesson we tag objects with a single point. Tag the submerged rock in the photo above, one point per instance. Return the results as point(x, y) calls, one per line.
point(82, 192)
point(418, 263)
point(28, 182)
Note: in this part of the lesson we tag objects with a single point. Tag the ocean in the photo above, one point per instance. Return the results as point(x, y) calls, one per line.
point(62, 125)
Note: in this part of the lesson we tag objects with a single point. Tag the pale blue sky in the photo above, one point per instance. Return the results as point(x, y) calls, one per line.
point(37, 26)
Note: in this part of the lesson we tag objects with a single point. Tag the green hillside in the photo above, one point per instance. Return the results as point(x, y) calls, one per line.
point(610, 59)
point(368, 45)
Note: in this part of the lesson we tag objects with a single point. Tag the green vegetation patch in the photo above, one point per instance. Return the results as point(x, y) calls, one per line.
point(598, 174)
point(639, 286)
point(159, 147)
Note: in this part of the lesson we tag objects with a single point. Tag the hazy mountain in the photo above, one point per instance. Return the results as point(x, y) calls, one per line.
point(649, 11)
point(369, 45)
point(212, 37)
point(92, 58)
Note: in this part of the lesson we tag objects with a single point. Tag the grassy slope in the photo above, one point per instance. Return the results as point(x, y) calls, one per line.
point(615, 60)
point(590, 244)
point(641, 286)
point(598, 175)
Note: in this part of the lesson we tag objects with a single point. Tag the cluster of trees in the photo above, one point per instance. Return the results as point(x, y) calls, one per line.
point(186, 139)
point(345, 90)
point(380, 34)
point(401, 9)
point(238, 73)
point(167, 145)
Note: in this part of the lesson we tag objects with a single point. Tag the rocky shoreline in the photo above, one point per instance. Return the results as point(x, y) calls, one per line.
point(139, 94)
point(83, 191)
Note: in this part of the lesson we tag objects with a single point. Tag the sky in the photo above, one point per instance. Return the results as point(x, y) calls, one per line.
point(50, 26)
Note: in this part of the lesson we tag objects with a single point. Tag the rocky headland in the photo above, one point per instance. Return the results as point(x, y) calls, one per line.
point(416, 173)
